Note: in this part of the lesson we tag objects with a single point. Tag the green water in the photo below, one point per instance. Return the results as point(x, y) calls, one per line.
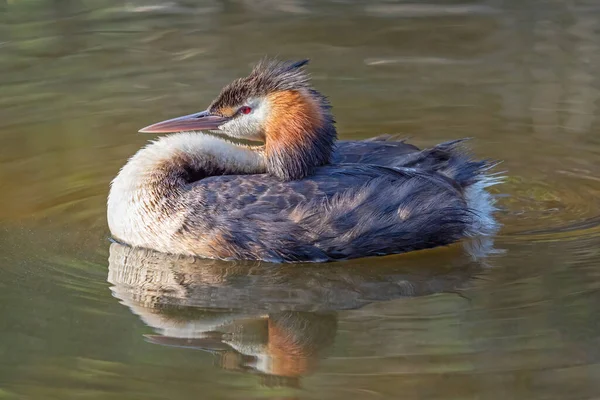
point(83, 319)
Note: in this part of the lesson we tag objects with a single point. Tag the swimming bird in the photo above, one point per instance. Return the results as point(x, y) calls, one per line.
point(299, 196)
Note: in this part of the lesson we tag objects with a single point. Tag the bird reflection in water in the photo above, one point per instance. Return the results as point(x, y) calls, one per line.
point(277, 321)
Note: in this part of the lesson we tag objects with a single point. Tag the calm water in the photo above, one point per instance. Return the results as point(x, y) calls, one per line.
point(81, 318)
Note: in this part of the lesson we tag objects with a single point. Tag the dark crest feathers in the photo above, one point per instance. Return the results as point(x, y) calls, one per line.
point(267, 76)
point(300, 63)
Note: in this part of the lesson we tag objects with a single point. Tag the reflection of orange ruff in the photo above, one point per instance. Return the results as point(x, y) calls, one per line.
point(296, 341)
point(289, 356)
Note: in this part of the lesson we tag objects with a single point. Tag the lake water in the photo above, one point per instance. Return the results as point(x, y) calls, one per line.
point(81, 318)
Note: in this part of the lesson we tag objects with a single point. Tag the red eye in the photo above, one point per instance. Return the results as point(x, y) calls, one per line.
point(245, 110)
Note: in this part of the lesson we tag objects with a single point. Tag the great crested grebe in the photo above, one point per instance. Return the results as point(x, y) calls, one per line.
point(301, 196)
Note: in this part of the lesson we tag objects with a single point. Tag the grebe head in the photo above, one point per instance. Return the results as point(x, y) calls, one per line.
point(274, 104)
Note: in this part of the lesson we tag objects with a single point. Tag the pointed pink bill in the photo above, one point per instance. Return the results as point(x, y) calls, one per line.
point(202, 121)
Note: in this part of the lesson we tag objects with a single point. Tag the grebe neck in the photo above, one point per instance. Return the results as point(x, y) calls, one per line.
point(146, 196)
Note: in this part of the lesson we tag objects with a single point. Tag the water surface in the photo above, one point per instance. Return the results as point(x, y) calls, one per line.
point(83, 318)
